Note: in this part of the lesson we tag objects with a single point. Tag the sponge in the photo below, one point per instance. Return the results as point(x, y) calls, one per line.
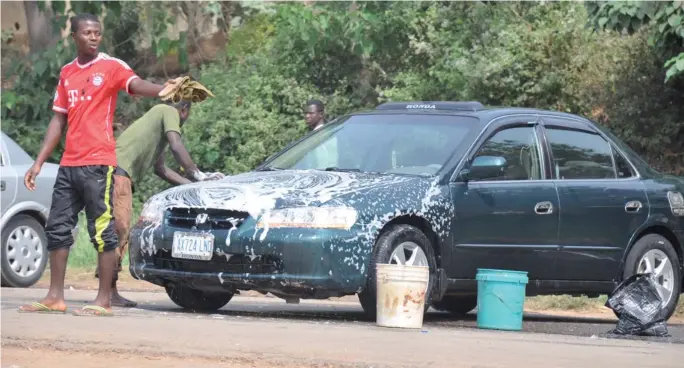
point(185, 89)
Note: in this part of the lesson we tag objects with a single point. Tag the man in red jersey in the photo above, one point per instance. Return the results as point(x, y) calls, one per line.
point(84, 102)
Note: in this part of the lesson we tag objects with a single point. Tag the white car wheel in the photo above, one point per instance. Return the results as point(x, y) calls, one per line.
point(24, 252)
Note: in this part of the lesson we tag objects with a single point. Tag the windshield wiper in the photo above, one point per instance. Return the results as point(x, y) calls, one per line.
point(334, 168)
point(269, 168)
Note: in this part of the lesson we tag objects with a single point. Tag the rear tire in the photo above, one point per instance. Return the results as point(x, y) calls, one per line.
point(30, 245)
point(196, 300)
point(459, 305)
point(656, 246)
point(389, 240)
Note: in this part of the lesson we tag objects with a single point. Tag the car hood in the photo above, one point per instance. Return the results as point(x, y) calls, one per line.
point(258, 191)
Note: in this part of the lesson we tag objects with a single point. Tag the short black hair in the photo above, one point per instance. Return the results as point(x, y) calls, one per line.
point(181, 104)
point(319, 105)
point(76, 19)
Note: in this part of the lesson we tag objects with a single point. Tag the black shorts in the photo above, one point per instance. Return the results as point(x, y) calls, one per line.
point(76, 188)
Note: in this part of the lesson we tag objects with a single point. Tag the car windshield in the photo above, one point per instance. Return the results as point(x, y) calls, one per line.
point(400, 144)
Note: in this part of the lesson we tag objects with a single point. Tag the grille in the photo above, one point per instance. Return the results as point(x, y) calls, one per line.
point(216, 219)
point(236, 264)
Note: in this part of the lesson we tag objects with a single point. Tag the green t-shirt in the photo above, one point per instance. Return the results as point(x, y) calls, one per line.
point(139, 146)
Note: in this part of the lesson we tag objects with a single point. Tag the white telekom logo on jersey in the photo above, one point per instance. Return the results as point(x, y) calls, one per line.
point(73, 97)
point(97, 80)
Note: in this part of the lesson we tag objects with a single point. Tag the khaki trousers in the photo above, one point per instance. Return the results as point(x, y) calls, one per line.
point(123, 210)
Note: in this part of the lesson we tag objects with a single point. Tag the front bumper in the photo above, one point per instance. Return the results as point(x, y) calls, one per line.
point(306, 263)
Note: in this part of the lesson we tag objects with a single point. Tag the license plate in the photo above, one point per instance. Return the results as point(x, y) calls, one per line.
point(192, 246)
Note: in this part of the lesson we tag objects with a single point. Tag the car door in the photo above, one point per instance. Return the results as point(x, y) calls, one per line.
point(510, 221)
point(602, 200)
point(8, 179)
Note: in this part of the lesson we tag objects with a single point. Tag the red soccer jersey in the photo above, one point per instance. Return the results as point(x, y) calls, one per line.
point(87, 94)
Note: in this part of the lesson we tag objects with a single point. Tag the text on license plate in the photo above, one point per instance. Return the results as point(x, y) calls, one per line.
point(192, 246)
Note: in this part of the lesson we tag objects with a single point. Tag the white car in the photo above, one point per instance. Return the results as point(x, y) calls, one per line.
point(23, 216)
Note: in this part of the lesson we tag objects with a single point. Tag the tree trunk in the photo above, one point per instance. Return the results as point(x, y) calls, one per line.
point(227, 8)
point(40, 32)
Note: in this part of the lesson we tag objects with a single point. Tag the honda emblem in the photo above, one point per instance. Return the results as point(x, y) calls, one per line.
point(201, 218)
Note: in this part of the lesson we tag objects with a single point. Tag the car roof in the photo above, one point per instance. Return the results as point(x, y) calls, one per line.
point(485, 114)
point(462, 108)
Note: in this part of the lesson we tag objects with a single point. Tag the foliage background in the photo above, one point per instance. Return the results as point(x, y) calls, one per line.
point(610, 61)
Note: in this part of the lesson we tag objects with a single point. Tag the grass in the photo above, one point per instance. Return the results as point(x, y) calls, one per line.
point(83, 255)
point(581, 304)
point(566, 303)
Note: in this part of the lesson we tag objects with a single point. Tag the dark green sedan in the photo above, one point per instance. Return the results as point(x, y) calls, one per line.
point(451, 185)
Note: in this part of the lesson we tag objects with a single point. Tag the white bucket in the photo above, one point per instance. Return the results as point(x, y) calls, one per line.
point(400, 295)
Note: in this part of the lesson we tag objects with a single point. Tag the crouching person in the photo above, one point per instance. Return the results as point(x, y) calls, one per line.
point(140, 148)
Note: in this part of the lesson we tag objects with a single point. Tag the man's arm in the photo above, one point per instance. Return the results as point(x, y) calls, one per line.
point(125, 78)
point(52, 138)
point(144, 88)
point(167, 174)
point(183, 157)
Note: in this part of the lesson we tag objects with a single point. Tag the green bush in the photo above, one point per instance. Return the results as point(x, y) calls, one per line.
point(506, 54)
point(256, 111)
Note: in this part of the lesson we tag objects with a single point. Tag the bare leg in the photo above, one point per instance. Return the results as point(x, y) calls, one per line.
point(106, 261)
point(98, 183)
point(118, 300)
point(55, 296)
point(123, 209)
point(66, 204)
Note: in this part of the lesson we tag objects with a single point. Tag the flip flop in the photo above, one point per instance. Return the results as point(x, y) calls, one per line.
point(40, 308)
point(93, 310)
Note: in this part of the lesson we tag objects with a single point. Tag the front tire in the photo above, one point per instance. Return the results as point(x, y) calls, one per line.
point(655, 254)
point(398, 244)
point(24, 252)
point(196, 300)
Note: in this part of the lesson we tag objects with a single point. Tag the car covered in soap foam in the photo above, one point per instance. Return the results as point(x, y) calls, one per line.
point(454, 186)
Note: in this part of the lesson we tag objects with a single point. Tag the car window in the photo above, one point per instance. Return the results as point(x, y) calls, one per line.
point(393, 143)
point(580, 154)
point(14, 154)
point(418, 146)
point(519, 146)
point(633, 155)
point(622, 166)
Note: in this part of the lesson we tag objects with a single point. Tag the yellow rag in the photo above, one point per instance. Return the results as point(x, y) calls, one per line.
point(185, 89)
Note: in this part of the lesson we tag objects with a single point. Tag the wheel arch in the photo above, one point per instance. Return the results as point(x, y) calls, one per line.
point(423, 225)
point(661, 230)
point(665, 232)
point(30, 208)
point(38, 216)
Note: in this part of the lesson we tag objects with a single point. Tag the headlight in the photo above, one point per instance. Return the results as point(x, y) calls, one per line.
point(151, 212)
point(309, 217)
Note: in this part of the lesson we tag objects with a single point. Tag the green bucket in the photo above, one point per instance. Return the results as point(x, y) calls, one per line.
point(500, 299)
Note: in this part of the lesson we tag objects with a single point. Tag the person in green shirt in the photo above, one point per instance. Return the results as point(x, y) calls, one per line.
point(138, 149)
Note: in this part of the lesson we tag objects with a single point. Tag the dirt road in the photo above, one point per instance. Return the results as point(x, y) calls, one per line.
point(265, 333)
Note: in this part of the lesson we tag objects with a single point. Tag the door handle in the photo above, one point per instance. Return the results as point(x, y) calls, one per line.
point(633, 206)
point(2, 185)
point(544, 208)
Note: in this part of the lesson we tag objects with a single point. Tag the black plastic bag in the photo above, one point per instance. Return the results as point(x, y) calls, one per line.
point(638, 306)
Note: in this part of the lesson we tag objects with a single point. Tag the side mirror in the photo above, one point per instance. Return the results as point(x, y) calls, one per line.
point(485, 167)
